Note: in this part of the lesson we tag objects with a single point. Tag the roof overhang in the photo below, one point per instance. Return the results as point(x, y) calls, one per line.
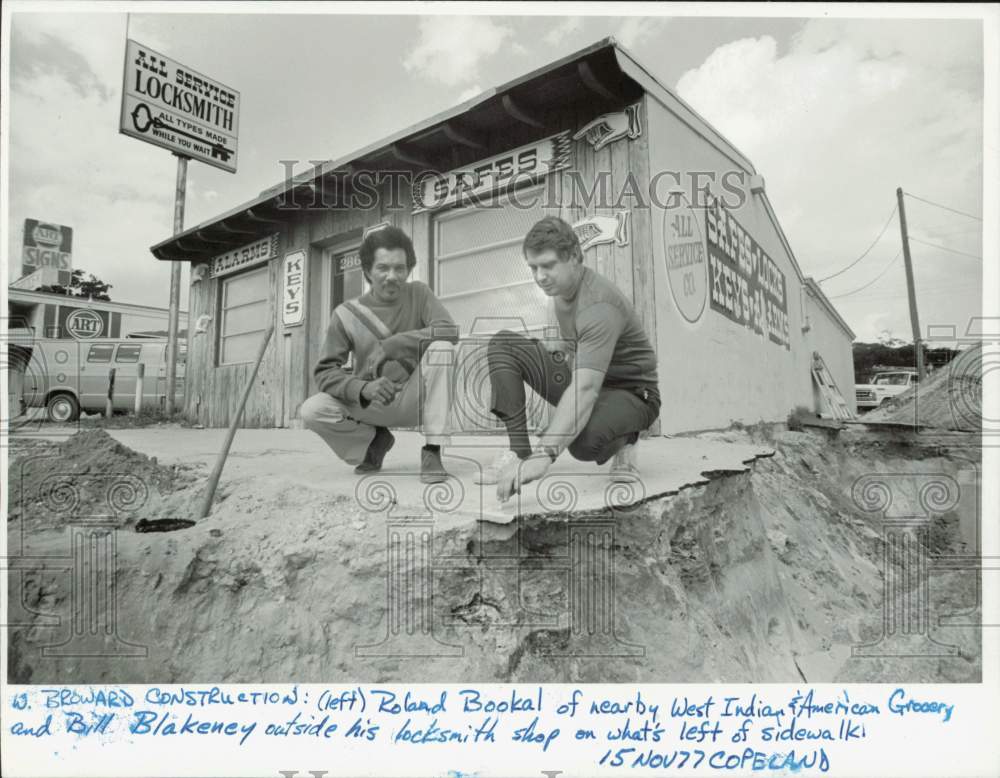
point(592, 77)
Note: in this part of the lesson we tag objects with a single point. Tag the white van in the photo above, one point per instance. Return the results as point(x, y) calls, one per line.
point(66, 376)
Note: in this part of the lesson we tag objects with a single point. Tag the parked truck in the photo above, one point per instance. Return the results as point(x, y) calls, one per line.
point(883, 388)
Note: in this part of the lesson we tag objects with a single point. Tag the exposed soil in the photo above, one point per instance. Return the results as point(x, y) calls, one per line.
point(91, 477)
point(769, 575)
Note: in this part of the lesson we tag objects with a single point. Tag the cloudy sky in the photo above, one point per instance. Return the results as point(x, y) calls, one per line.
point(834, 113)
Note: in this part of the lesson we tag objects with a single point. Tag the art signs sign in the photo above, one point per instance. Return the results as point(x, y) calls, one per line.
point(47, 245)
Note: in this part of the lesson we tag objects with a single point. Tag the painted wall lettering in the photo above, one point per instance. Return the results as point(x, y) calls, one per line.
point(747, 286)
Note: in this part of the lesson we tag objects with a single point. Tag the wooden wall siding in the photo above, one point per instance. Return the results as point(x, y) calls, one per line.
point(297, 369)
point(198, 297)
point(644, 228)
point(643, 232)
point(213, 393)
point(421, 236)
point(618, 158)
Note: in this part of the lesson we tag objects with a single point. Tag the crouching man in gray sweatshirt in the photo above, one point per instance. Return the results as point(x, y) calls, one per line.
point(401, 338)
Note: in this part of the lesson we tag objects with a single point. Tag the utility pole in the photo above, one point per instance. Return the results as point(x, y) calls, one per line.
point(911, 292)
point(175, 286)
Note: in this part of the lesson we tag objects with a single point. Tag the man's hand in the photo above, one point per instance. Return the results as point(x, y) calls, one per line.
point(375, 359)
point(381, 391)
point(521, 472)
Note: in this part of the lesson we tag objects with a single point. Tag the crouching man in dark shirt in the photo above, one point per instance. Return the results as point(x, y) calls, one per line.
point(604, 389)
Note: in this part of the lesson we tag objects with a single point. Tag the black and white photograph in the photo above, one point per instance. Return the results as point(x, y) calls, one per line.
point(478, 389)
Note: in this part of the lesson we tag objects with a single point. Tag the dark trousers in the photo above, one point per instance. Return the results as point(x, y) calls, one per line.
point(617, 418)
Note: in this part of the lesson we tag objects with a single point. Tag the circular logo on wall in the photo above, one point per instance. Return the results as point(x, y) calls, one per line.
point(84, 324)
point(687, 260)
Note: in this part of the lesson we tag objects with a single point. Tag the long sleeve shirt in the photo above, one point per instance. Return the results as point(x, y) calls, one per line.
point(414, 320)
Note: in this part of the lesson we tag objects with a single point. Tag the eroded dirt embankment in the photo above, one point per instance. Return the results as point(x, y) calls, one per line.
point(766, 575)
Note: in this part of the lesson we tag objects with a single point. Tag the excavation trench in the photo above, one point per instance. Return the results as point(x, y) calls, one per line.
point(773, 574)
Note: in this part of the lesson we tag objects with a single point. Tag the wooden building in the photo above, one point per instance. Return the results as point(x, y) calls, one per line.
point(664, 205)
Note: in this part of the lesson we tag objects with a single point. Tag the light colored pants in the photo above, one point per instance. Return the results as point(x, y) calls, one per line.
point(347, 428)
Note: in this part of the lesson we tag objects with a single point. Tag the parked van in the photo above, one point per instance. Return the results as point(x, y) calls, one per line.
point(67, 376)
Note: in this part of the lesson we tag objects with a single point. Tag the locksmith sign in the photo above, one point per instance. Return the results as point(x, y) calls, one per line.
point(170, 105)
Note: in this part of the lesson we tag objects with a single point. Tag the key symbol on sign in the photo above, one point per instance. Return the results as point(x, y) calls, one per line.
point(141, 113)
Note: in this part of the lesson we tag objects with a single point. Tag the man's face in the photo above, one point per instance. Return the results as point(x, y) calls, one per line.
point(388, 274)
point(556, 277)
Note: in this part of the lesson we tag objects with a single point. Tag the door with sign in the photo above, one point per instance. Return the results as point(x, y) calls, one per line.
point(348, 281)
point(343, 277)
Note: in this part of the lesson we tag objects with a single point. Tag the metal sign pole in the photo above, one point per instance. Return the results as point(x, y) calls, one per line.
point(175, 286)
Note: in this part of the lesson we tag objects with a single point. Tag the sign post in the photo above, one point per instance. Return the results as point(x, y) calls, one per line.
point(175, 286)
point(176, 108)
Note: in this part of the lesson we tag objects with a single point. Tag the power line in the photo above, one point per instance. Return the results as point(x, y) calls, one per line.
point(876, 278)
point(937, 291)
point(953, 210)
point(945, 248)
point(965, 231)
point(865, 254)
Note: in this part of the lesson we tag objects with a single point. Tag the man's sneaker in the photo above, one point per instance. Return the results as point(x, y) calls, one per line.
point(490, 474)
point(377, 449)
point(623, 465)
point(431, 469)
